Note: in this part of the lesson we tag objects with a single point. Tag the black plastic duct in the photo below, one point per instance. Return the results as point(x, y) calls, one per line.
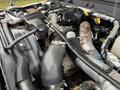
point(23, 76)
point(51, 67)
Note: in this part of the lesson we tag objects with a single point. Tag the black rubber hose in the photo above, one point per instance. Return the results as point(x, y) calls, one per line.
point(23, 76)
point(85, 59)
point(19, 39)
point(51, 67)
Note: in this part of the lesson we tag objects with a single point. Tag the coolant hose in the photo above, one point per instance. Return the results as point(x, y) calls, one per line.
point(51, 67)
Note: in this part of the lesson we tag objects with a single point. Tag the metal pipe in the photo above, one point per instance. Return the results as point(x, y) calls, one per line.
point(111, 36)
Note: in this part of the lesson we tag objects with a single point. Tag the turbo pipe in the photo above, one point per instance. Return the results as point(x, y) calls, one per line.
point(51, 67)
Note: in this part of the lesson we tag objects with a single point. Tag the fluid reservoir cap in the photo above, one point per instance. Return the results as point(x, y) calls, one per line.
point(70, 34)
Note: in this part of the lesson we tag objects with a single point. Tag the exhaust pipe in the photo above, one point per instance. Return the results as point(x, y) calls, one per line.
point(51, 67)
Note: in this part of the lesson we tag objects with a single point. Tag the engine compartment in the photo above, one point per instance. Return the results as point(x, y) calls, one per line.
point(54, 46)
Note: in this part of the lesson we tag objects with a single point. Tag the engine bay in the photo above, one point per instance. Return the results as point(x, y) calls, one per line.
point(57, 46)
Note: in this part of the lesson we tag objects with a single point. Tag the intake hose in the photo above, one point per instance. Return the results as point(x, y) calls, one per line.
point(23, 76)
point(51, 67)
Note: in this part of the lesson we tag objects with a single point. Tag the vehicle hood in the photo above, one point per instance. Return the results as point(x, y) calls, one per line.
point(108, 7)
